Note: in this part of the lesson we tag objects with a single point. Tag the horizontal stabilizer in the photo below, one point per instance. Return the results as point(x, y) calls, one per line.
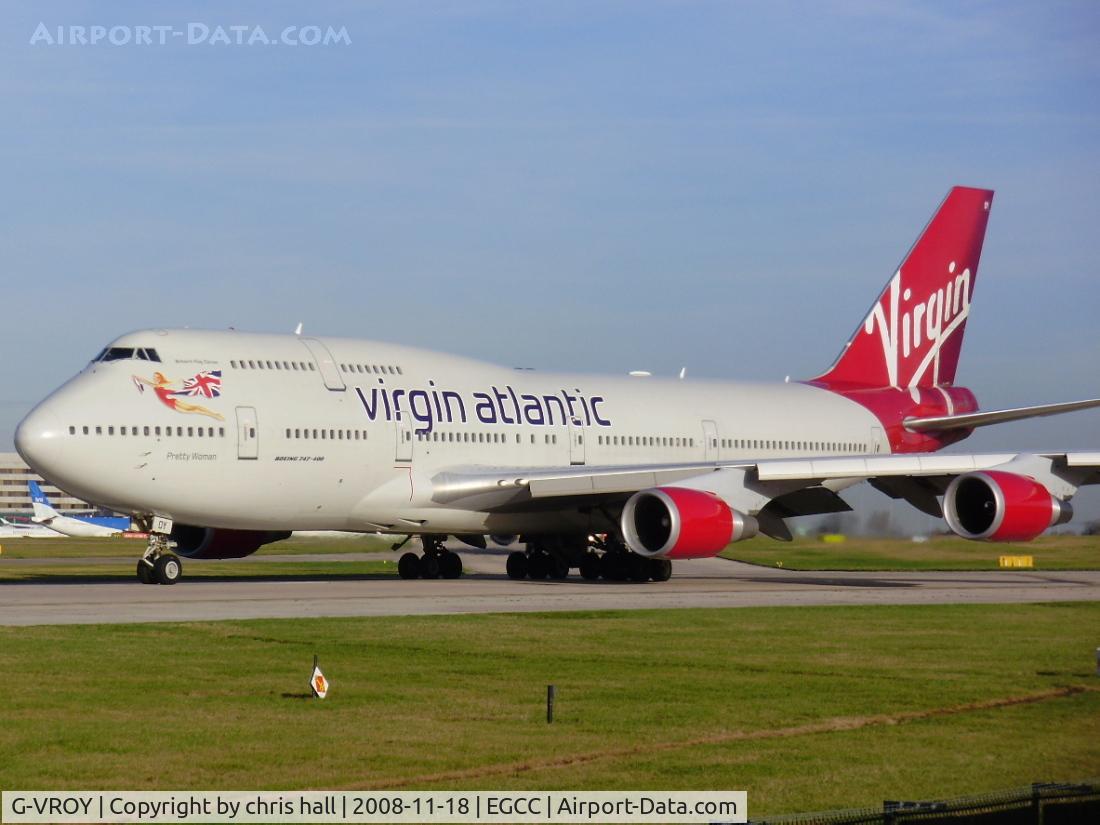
point(967, 421)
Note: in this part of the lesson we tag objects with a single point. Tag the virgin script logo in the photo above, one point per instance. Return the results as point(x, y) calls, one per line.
point(925, 325)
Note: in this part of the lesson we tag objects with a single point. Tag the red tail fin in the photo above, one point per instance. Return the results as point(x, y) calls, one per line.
point(913, 334)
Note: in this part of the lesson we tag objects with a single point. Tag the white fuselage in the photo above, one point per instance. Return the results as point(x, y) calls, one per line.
point(67, 526)
point(289, 440)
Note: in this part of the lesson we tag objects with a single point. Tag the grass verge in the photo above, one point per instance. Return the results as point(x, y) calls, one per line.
point(806, 708)
point(938, 553)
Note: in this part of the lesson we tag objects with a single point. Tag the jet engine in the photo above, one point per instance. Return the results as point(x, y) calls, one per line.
point(999, 506)
point(681, 523)
point(215, 543)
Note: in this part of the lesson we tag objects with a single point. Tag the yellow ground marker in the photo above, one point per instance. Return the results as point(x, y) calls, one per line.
point(1017, 561)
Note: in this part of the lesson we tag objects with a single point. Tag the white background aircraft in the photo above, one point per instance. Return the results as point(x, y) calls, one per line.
point(224, 441)
point(86, 526)
point(11, 530)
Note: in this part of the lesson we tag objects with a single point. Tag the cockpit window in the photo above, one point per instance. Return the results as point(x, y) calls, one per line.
point(128, 354)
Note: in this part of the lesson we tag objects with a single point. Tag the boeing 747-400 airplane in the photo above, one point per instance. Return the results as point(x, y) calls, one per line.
point(220, 442)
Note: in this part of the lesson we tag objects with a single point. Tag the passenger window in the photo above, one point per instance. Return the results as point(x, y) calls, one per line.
point(145, 430)
point(110, 431)
point(233, 364)
point(72, 431)
point(251, 432)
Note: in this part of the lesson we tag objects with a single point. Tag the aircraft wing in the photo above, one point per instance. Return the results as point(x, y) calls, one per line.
point(802, 486)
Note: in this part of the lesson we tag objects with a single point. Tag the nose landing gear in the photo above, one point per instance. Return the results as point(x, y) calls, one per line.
point(158, 565)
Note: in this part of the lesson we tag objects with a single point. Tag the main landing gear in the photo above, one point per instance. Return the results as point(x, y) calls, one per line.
point(595, 559)
point(158, 565)
point(436, 561)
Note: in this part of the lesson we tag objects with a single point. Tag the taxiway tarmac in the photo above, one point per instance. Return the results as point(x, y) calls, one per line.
point(485, 589)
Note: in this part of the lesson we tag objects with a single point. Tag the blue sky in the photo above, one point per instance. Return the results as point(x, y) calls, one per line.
point(606, 186)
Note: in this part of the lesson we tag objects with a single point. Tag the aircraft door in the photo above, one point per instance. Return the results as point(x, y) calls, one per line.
point(330, 373)
point(876, 440)
point(576, 442)
point(710, 441)
point(403, 449)
point(248, 433)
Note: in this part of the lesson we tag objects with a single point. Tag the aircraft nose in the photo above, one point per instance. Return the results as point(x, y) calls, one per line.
point(39, 439)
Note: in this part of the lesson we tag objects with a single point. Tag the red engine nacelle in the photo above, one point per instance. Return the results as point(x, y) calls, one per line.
point(680, 523)
point(999, 506)
point(215, 543)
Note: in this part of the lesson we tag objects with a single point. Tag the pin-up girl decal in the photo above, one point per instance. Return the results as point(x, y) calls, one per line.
point(206, 384)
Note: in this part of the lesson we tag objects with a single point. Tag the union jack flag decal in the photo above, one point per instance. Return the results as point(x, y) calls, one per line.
point(208, 384)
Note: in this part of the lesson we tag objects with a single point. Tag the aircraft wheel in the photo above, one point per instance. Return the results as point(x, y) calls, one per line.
point(516, 565)
point(590, 567)
point(429, 567)
point(168, 569)
point(660, 570)
point(538, 566)
point(559, 568)
point(145, 573)
point(637, 568)
point(408, 566)
point(613, 567)
point(450, 565)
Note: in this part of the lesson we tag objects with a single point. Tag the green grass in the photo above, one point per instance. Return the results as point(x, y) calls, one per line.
point(806, 708)
point(124, 554)
point(115, 546)
point(939, 553)
point(124, 571)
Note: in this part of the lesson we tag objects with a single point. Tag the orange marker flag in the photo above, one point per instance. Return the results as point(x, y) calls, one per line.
point(317, 682)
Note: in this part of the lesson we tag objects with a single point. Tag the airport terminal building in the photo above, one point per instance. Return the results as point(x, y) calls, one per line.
point(15, 498)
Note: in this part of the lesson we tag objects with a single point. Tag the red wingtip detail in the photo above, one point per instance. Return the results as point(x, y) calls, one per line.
point(913, 334)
